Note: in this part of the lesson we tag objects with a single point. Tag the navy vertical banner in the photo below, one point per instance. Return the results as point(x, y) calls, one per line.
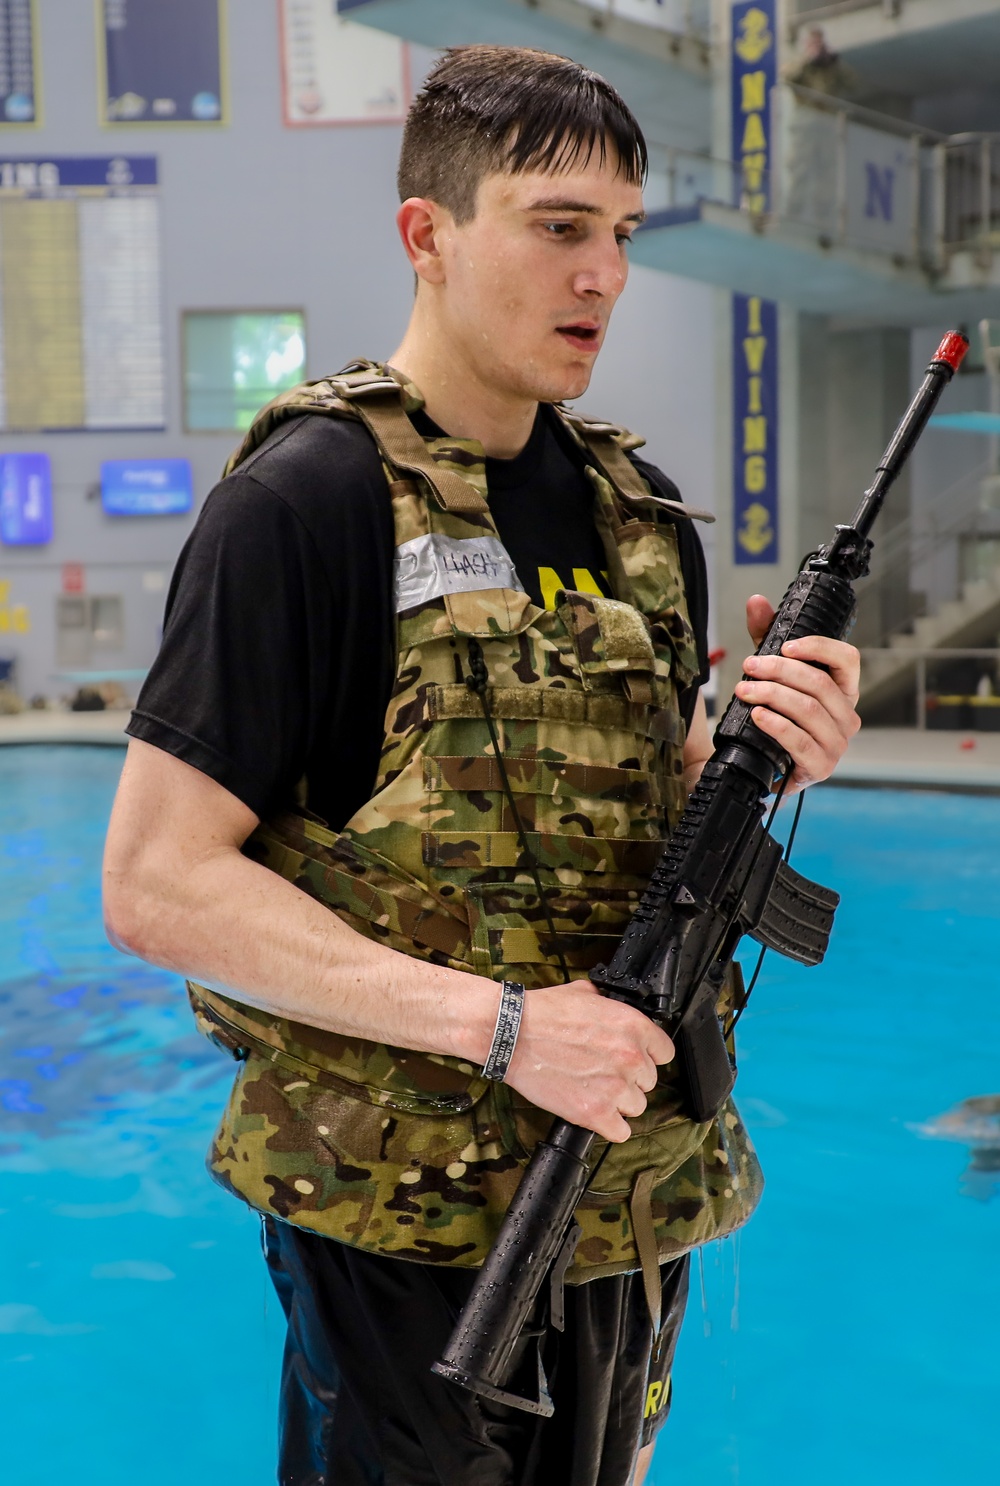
point(754, 72)
point(753, 62)
point(755, 430)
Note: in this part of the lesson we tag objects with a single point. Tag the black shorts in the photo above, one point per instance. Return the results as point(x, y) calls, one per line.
point(361, 1407)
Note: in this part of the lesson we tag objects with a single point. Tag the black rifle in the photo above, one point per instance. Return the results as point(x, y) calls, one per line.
point(720, 876)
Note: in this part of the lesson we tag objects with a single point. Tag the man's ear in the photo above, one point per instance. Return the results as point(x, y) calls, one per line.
point(421, 223)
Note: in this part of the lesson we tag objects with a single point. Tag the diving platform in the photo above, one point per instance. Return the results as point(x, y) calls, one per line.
point(664, 75)
point(790, 262)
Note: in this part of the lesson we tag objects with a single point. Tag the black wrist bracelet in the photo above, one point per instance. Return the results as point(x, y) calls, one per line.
point(506, 1030)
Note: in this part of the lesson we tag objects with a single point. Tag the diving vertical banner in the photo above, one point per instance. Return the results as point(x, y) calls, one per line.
point(755, 320)
point(755, 430)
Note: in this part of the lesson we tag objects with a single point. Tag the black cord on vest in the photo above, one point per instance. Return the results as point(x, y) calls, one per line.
point(478, 682)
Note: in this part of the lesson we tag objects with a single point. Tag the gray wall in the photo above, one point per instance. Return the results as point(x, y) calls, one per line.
point(259, 215)
point(252, 215)
point(656, 376)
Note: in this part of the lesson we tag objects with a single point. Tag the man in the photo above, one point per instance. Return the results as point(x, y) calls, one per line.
point(820, 69)
point(431, 661)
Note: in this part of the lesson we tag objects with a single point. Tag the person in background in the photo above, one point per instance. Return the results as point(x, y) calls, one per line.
point(821, 70)
point(426, 707)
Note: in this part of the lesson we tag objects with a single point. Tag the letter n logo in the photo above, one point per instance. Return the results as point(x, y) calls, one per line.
point(878, 191)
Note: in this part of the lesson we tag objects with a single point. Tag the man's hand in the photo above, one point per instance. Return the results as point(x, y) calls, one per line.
point(809, 711)
point(591, 1061)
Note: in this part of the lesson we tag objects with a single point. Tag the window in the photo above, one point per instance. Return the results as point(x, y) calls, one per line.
point(235, 362)
point(85, 624)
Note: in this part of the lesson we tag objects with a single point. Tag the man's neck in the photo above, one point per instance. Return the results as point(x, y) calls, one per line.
point(456, 397)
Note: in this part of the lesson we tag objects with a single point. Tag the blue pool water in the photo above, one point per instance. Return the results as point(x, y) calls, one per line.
point(850, 1334)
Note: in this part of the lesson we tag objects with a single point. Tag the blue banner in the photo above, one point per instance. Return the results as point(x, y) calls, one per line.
point(754, 72)
point(146, 487)
point(755, 430)
point(35, 175)
point(18, 64)
point(163, 62)
point(25, 500)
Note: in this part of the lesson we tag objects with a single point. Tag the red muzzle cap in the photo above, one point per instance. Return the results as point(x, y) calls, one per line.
point(952, 349)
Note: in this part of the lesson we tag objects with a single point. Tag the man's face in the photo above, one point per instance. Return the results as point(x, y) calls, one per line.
point(531, 280)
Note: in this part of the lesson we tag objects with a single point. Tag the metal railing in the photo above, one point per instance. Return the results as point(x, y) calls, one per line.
point(969, 175)
point(689, 18)
point(855, 178)
point(967, 704)
point(811, 12)
point(680, 177)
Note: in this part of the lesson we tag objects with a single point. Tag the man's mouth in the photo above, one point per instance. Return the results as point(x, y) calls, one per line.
point(582, 335)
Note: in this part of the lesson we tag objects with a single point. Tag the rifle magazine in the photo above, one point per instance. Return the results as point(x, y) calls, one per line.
point(798, 917)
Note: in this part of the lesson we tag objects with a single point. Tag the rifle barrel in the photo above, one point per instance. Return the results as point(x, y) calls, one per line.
point(943, 366)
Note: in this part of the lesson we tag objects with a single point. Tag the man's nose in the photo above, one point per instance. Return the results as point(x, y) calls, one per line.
point(604, 271)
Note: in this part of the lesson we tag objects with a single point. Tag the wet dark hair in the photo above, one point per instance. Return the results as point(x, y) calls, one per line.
point(489, 109)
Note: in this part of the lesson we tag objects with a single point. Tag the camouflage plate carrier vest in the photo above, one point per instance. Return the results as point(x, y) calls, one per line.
point(417, 1155)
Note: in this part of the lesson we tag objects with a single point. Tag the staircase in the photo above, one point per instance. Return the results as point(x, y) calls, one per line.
point(968, 619)
point(973, 620)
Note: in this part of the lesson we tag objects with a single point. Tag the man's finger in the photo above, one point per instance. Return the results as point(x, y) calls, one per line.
point(796, 676)
point(659, 1047)
point(812, 763)
point(760, 612)
point(843, 661)
point(811, 717)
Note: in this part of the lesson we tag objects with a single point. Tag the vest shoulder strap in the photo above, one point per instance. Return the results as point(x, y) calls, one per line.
point(307, 397)
point(608, 445)
point(377, 398)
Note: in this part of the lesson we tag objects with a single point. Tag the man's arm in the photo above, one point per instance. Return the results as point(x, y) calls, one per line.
point(179, 892)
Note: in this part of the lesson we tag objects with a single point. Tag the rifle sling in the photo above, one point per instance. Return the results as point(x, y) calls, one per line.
point(644, 1233)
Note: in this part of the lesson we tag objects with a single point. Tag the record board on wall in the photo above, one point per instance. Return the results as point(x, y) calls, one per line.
point(81, 338)
point(19, 100)
point(162, 61)
point(336, 71)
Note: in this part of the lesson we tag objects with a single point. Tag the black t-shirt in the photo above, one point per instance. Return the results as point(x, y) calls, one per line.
point(278, 652)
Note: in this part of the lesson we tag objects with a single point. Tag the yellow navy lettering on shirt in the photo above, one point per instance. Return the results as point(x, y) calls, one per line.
point(583, 581)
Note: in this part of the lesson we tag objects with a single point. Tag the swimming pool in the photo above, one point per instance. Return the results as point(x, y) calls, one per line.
point(849, 1333)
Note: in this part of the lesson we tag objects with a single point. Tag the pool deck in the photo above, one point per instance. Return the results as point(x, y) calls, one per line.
point(878, 756)
point(65, 727)
point(969, 762)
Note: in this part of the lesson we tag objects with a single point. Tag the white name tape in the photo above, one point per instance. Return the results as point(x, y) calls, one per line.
point(431, 566)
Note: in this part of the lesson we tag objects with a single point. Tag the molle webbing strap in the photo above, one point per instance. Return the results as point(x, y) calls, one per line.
point(531, 775)
point(485, 849)
point(527, 703)
point(376, 400)
point(644, 1237)
point(602, 441)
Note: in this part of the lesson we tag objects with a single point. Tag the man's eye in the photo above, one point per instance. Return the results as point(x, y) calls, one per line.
point(623, 237)
point(558, 229)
